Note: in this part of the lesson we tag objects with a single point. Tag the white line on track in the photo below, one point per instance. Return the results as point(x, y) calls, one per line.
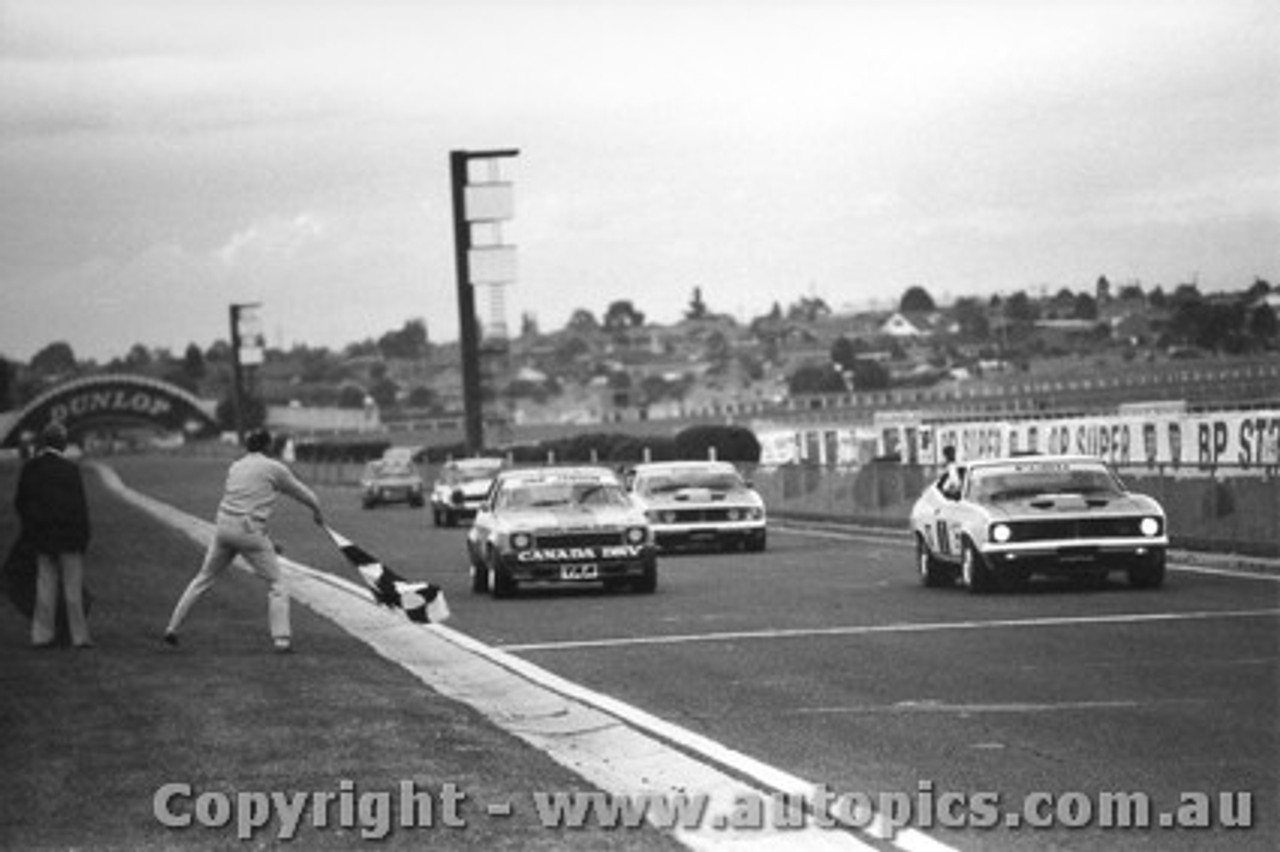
point(900, 627)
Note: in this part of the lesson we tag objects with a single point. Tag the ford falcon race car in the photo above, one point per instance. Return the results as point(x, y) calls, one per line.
point(390, 480)
point(698, 503)
point(1014, 517)
point(568, 525)
point(461, 488)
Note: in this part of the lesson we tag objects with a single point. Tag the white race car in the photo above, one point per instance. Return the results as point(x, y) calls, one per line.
point(560, 525)
point(461, 488)
point(1014, 517)
point(699, 503)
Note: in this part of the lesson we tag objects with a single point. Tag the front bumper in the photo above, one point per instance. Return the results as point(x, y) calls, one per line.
point(721, 533)
point(578, 571)
point(1068, 556)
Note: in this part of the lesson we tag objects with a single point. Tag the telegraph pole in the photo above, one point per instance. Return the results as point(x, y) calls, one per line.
point(472, 399)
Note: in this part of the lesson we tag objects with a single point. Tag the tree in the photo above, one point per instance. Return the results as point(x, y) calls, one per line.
point(1263, 324)
point(697, 308)
point(621, 315)
point(917, 300)
point(970, 315)
point(54, 359)
point(383, 392)
point(869, 375)
point(583, 321)
point(1020, 308)
point(410, 342)
point(1084, 307)
point(351, 396)
point(422, 397)
point(1102, 290)
point(816, 378)
point(193, 366)
point(808, 309)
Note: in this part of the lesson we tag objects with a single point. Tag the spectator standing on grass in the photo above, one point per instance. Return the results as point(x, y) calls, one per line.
point(54, 514)
point(253, 483)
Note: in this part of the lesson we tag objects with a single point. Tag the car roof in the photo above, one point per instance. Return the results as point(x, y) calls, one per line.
point(485, 462)
point(1031, 460)
point(647, 467)
point(558, 472)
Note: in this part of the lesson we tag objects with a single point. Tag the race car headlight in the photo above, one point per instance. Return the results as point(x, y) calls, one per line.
point(732, 514)
point(458, 497)
point(755, 513)
point(1001, 533)
point(636, 535)
point(1149, 527)
point(653, 517)
point(521, 541)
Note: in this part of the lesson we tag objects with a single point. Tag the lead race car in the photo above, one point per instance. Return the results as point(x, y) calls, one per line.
point(1014, 517)
point(568, 525)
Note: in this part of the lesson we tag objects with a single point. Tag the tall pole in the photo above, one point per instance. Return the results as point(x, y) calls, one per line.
point(469, 347)
point(237, 374)
point(468, 342)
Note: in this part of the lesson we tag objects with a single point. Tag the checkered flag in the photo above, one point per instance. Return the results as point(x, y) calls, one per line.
point(423, 603)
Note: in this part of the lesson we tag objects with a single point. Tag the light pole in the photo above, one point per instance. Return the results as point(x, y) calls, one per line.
point(251, 355)
point(468, 343)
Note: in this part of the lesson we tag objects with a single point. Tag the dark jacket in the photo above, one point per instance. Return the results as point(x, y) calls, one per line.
point(51, 505)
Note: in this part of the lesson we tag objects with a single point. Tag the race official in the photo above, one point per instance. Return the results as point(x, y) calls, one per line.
point(253, 483)
point(54, 513)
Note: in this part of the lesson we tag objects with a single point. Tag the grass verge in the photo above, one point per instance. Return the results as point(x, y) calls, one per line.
point(89, 737)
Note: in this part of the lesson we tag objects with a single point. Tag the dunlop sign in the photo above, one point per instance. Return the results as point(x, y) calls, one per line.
point(101, 402)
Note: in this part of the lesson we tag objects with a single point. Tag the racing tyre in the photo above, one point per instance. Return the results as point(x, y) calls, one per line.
point(500, 585)
point(647, 583)
point(973, 568)
point(479, 580)
point(1150, 574)
point(450, 519)
point(756, 543)
point(932, 573)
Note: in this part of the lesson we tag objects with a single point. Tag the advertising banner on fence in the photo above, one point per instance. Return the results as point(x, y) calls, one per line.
point(1243, 439)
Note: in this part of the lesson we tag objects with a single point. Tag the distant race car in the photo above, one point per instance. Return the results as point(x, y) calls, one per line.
point(1011, 518)
point(461, 488)
point(391, 480)
point(568, 525)
point(699, 503)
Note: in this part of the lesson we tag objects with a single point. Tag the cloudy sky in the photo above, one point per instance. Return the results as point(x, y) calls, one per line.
point(161, 159)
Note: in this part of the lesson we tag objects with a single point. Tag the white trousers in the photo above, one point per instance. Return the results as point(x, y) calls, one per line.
point(242, 536)
point(50, 568)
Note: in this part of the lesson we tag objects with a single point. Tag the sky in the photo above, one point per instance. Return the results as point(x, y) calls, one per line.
point(161, 160)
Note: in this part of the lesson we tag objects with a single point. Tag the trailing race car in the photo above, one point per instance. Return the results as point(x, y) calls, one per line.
point(391, 480)
point(1014, 517)
point(567, 525)
point(461, 488)
point(699, 503)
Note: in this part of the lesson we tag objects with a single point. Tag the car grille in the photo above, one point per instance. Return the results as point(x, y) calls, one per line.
point(582, 539)
point(1075, 528)
point(699, 516)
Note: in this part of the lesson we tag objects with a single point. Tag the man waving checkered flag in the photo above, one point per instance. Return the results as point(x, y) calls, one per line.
point(423, 603)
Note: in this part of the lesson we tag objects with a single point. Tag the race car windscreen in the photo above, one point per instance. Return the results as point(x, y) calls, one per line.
point(1022, 481)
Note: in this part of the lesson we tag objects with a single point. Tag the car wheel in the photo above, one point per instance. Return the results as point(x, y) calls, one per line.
point(1150, 574)
point(932, 574)
point(974, 570)
point(479, 580)
point(756, 543)
point(450, 519)
point(500, 585)
point(647, 583)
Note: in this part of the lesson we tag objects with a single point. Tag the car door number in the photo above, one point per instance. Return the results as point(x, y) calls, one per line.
point(583, 571)
point(943, 535)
